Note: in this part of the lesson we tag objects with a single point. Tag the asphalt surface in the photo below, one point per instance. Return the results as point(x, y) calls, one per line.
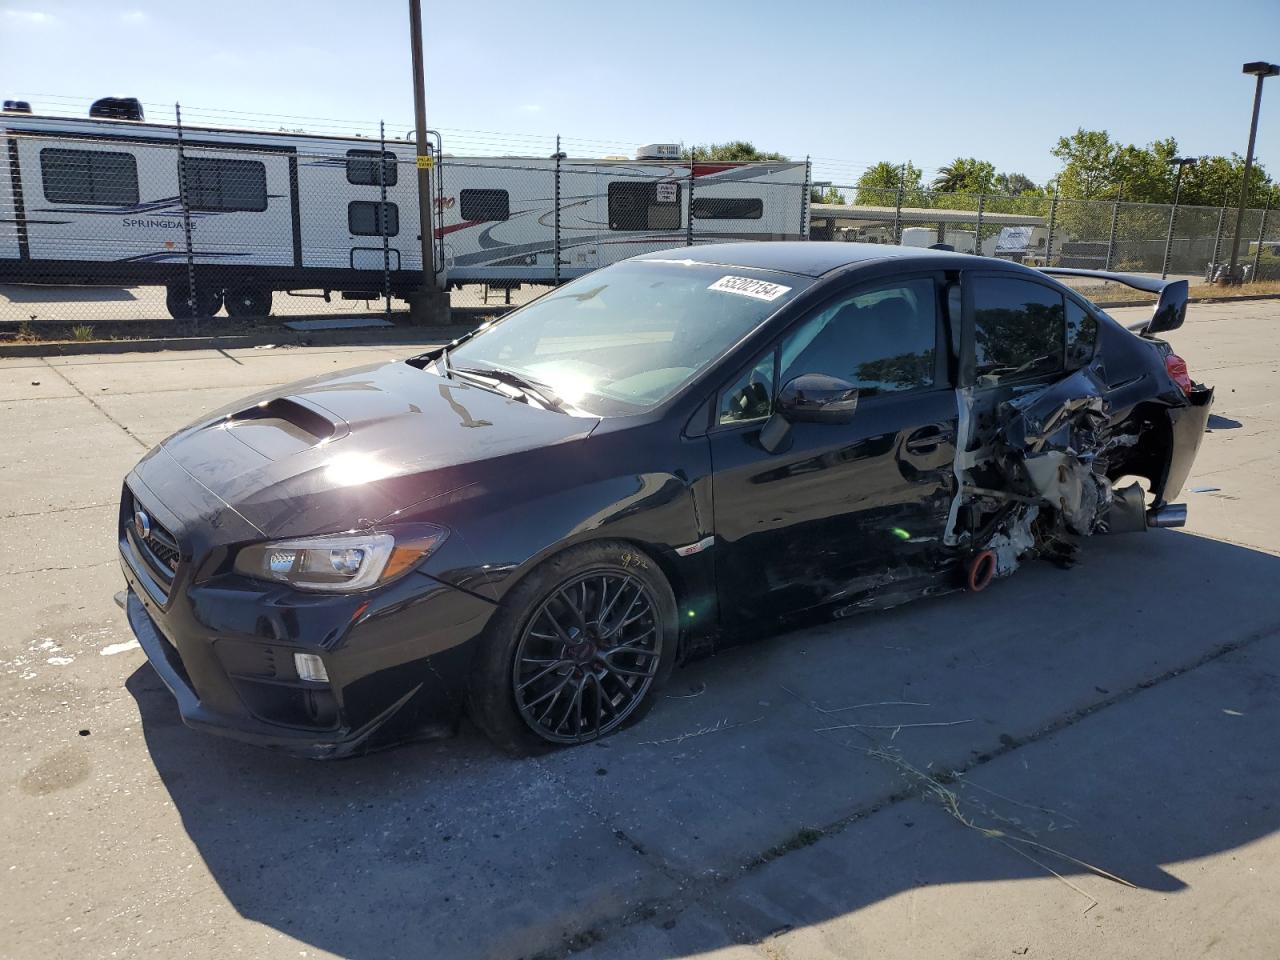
point(1071, 764)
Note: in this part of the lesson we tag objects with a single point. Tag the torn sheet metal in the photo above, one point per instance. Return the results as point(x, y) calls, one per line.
point(1066, 415)
point(1031, 470)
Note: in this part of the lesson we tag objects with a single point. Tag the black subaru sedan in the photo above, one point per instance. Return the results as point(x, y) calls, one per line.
point(537, 523)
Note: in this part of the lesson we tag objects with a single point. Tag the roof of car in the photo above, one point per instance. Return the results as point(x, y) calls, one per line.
point(811, 258)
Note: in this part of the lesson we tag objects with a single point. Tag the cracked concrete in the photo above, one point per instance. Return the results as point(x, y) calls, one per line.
point(1122, 713)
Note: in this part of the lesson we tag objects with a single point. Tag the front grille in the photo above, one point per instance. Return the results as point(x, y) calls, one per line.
point(158, 550)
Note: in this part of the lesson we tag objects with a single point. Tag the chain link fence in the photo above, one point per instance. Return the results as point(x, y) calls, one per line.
point(106, 223)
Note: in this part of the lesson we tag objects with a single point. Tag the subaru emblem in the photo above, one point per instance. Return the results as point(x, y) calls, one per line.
point(142, 524)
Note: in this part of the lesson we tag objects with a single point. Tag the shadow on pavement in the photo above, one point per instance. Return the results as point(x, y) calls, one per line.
point(19, 293)
point(450, 849)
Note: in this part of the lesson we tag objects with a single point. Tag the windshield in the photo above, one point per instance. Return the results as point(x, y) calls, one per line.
point(625, 338)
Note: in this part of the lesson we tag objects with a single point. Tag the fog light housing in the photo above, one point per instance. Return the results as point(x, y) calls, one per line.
point(310, 667)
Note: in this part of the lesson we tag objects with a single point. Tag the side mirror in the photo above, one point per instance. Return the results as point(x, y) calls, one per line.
point(817, 398)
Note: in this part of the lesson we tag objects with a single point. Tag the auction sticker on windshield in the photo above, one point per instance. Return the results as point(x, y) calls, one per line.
point(746, 287)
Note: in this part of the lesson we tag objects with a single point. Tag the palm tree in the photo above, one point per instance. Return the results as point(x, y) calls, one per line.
point(951, 176)
point(964, 175)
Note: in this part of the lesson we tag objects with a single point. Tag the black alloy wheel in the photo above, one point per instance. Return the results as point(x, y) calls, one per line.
point(576, 650)
point(587, 657)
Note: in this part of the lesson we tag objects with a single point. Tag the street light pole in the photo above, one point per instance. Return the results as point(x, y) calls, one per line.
point(1173, 214)
point(429, 304)
point(1261, 70)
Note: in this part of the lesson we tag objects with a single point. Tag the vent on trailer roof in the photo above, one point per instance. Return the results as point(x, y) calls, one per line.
point(17, 106)
point(658, 151)
point(116, 108)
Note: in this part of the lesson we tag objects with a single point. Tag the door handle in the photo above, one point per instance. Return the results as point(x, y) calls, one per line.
point(928, 439)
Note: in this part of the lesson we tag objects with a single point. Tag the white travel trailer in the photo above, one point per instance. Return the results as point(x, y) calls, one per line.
point(100, 200)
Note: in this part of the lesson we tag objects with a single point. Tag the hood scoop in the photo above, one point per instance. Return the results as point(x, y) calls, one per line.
point(284, 426)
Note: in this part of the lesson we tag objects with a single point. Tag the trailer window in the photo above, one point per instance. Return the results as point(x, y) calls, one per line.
point(644, 205)
point(484, 204)
point(363, 220)
point(362, 168)
point(728, 208)
point(226, 186)
point(88, 176)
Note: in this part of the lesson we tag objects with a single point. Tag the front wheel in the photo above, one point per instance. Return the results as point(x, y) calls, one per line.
point(577, 651)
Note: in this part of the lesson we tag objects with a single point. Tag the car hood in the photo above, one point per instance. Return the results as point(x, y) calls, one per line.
point(349, 449)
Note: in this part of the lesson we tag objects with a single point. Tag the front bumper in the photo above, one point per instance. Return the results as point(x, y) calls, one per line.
point(397, 658)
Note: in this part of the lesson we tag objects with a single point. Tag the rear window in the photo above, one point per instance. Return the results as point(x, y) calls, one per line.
point(1019, 330)
point(1082, 334)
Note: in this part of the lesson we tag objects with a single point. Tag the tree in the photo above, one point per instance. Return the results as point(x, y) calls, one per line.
point(965, 175)
point(830, 195)
point(878, 185)
point(1088, 165)
point(1016, 185)
point(1215, 181)
point(733, 151)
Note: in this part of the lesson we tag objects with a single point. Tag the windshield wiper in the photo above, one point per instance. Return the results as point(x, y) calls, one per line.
point(531, 388)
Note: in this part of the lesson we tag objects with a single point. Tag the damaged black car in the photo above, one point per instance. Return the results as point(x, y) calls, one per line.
point(535, 524)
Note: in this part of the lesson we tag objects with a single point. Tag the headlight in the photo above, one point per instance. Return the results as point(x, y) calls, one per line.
point(342, 562)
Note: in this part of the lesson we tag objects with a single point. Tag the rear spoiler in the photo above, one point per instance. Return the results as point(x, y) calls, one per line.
point(1170, 309)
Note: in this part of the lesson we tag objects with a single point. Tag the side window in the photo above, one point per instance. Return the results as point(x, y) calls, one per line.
point(1082, 334)
point(363, 220)
point(226, 186)
point(362, 168)
point(750, 397)
point(88, 176)
point(881, 340)
point(728, 208)
point(644, 205)
point(1018, 330)
point(484, 205)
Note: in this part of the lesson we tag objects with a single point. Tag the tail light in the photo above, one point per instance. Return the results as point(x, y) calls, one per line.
point(1177, 368)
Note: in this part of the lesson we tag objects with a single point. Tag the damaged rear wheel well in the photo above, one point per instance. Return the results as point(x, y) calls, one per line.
point(1147, 454)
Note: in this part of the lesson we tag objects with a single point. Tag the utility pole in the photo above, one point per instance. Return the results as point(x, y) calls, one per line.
point(429, 304)
point(1180, 162)
point(1261, 70)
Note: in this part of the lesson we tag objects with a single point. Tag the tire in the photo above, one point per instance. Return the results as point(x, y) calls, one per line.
point(547, 676)
point(249, 301)
point(207, 303)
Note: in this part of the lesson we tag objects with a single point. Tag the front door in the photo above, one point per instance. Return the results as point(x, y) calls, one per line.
point(838, 511)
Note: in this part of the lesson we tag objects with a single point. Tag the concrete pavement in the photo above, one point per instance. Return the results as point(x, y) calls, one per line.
point(1121, 714)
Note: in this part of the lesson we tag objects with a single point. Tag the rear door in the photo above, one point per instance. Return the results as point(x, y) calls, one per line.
point(841, 510)
point(1016, 337)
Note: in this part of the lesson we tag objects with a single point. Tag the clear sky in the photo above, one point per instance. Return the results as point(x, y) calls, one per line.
point(848, 83)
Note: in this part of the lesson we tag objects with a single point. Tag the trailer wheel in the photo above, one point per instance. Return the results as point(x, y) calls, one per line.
point(208, 302)
point(248, 302)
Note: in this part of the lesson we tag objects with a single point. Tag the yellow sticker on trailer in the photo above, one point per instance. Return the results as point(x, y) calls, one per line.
point(424, 163)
